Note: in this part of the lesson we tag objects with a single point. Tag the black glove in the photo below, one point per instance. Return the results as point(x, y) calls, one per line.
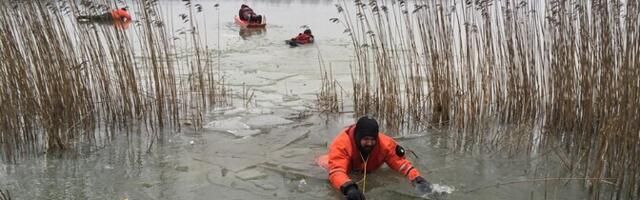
point(421, 185)
point(350, 190)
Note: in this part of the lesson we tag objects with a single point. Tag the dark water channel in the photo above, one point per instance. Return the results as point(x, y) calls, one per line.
point(267, 149)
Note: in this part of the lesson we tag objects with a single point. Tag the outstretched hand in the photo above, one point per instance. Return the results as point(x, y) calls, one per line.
point(422, 185)
point(355, 194)
point(350, 190)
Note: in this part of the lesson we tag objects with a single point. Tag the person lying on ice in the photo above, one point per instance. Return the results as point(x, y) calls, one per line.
point(361, 147)
point(303, 38)
point(115, 15)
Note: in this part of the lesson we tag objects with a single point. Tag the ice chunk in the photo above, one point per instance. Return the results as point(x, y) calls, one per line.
point(300, 108)
point(234, 123)
point(438, 191)
point(302, 186)
point(293, 152)
point(235, 111)
point(442, 189)
point(267, 120)
point(250, 174)
point(264, 186)
point(261, 111)
point(287, 138)
point(234, 164)
point(244, 133)
point(222, 109)
point(266, 104)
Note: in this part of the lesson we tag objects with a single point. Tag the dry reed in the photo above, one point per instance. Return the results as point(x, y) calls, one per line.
point(5, 195)
point(60, 80)
point(563, 72)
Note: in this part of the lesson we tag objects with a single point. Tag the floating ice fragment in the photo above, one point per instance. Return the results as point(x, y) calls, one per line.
point(442, 189)
point(302, 186)
point(267, 120)
point(437, 191)
point(227, 124)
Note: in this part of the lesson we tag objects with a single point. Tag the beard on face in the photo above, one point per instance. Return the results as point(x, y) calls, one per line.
point(367, 148)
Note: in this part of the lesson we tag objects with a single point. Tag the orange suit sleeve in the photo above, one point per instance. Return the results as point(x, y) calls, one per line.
point(397, 162)
point(339, 158)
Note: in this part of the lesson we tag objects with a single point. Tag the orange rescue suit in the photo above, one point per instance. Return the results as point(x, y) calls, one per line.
point(118, 14)
point(344, 156)
point(303, 38)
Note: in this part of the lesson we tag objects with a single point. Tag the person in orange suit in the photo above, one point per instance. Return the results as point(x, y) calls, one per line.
point(117, 15)
point(246, 13)
point(120, 14)
point(363, 148)
point(304, 38)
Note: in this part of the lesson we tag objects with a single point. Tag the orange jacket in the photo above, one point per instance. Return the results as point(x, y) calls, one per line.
point(118, 14)
point(303, 38)
point(344, 156)
point(121, 24)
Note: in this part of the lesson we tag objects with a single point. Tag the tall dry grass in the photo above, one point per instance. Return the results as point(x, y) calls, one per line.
point(5, 195)
point(329, 98)
point(60, 80)
point(563, 72)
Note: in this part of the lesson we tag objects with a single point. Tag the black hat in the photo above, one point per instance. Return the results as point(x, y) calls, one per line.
point(243, 6)
point(366, 126)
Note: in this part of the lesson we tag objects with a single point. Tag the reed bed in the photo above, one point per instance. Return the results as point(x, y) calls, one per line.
point(562, 72)
point(329, 100)
point(60, 80)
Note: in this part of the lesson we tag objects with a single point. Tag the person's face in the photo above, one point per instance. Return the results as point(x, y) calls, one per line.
point(367, 143)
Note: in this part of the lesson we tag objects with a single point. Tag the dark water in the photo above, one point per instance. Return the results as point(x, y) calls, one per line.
point(266, 150)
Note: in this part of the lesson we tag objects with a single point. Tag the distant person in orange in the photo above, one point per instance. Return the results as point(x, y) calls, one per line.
point(122, 24)
point(304, 38)
point(246, 14)
point(363, 148)
point(120, 14)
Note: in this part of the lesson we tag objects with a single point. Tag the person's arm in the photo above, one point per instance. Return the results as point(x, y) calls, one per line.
point(338, 165)
point(295, 38)
point(339, 159)
point(397, 161)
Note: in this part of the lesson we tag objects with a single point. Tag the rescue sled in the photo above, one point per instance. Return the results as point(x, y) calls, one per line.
point(247, 24)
